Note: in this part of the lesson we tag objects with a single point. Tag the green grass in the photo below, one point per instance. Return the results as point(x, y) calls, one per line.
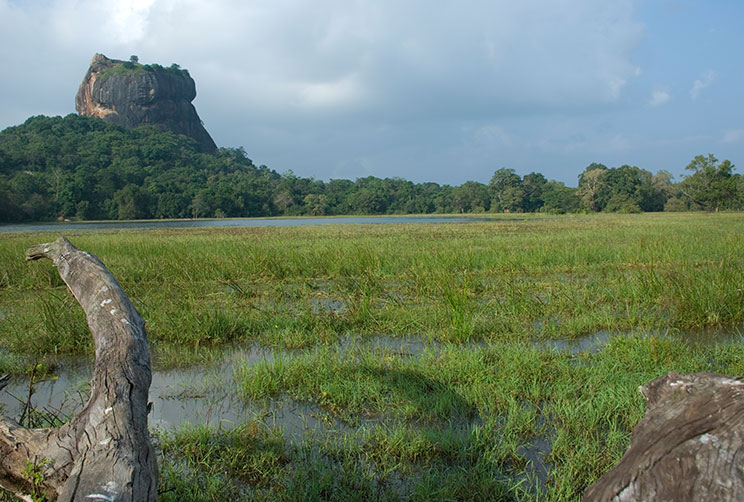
point(450, 282)
point(449, 423)
point(133, 68)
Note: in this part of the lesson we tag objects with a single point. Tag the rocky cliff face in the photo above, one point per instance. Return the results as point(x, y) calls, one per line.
point(130, 94)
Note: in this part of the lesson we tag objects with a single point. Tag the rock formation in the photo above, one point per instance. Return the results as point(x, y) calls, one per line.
point(130, 94)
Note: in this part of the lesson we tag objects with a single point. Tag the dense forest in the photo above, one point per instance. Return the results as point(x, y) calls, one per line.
point(84, 168)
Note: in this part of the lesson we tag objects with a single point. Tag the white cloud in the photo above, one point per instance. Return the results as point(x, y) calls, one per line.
point(304, 84)
point(128, 19)
point(492, 135)
point(733, 136)
point(704, 81)
point(659, 97)
point(330, 94)
point(409, 59)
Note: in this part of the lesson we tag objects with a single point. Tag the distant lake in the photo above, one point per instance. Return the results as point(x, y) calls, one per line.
point(231, 222)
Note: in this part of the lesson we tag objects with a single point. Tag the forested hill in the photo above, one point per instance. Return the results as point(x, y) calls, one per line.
point(83, 167)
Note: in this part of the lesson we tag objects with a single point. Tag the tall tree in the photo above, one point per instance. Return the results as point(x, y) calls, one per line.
point(558, 198)
point(471, 196)
point(316, 204)
point(591, 184)
point(533, 185)
point(712, 186)
point(506, 190)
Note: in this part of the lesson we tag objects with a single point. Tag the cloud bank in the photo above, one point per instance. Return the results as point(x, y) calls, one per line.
point(385, 59)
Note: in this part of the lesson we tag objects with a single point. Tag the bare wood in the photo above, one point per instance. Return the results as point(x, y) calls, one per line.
point(688, 446)
point(104, 453)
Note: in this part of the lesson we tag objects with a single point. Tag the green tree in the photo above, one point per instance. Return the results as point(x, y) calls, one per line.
point(202, 205)
point(712, 186)
point(133, 203)
point(506, 191)
point(283, 201)
point(558, 198)
point(31, 195)
point(591, 185)
point(316, 204)
point(622, 203)
point(367, 200)
point(628, 187)
point(533, 185)
point(9, 207)
point(471, 197)
point(171, 205)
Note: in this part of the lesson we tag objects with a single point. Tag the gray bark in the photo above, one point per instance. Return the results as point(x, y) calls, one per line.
point(104, 453)
point(688, 446)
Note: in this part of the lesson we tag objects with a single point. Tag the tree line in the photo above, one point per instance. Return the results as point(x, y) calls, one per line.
point(84, 168)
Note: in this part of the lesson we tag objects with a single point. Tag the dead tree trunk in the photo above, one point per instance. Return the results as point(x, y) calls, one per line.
point(688, 446)
point(104, 453)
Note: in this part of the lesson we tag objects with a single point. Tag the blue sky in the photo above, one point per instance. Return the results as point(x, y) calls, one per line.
point(429, 91)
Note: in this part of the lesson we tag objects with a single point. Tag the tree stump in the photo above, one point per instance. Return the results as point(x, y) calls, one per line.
point(104, 453)
point(688, 446)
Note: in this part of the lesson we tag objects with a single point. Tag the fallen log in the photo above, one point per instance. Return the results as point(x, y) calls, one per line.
point(104, 453)
point(688, 446)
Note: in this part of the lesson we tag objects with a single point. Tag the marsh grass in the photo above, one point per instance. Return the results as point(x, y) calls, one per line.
point(448, 422)
point(504, 394)
point(201, 463)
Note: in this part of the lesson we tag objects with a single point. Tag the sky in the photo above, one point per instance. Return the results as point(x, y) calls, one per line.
point(442, 91)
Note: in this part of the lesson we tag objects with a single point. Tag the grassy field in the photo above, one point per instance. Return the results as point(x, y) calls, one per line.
point(459, 419)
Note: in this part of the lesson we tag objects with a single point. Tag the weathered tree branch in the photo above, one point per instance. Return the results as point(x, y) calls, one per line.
point(688, 446)
point(104, 453)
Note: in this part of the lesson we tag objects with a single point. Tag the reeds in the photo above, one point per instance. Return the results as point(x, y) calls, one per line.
point(448, 422)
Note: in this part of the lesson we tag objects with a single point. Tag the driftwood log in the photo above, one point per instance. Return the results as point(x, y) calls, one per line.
point(104, 453)
point(688, 446)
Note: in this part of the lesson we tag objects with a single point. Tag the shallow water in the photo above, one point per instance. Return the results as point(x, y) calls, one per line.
point(328, 306)
point(237, 222)
point(194, 395)
point(207, 393)
point(202, 394)
point(595, 341)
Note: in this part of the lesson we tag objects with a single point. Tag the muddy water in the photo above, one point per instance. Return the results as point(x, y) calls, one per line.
point(195, 395)
point(206, 394)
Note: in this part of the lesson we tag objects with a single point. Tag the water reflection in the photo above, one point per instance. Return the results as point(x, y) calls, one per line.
point(208, 394)
point(204, 394)
point(692, 337)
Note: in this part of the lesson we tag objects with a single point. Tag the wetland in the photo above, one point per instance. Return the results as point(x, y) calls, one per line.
point(497, 359)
